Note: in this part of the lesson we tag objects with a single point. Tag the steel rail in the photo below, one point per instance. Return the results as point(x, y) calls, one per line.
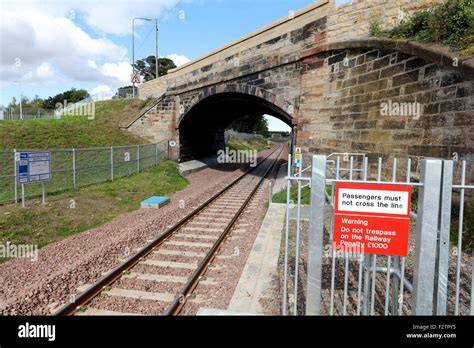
point(181, 298)
point(95, 289)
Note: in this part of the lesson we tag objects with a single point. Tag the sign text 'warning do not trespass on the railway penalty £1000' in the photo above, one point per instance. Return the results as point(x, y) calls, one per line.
point(372, 218)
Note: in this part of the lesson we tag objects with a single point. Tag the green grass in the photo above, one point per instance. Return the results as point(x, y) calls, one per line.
point(280, 197)
point(253, 144)
point(94, 206)
point(75, 131)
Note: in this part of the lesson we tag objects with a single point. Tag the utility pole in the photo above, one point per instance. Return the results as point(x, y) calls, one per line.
point(156, 45)
point(21, 107)
point(133, 47)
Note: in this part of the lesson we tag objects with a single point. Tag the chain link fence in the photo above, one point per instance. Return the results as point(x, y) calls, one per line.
point(73, 168)
point(15, 114)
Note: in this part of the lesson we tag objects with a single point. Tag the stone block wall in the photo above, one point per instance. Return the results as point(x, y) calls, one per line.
point(352, 20)
point(351, 91)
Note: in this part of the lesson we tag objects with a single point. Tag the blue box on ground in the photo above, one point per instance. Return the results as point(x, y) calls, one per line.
point(155, 202)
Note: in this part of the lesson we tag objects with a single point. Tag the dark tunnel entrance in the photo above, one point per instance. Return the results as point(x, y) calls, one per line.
point(202, 129)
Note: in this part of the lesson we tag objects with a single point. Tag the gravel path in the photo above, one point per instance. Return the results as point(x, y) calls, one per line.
point(39, 287)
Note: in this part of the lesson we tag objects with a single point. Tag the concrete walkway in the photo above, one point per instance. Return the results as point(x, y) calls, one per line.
point(193, 166)
point(262, 265)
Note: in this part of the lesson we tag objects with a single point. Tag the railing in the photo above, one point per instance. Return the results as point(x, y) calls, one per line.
point(435, 279)
point(14, 114)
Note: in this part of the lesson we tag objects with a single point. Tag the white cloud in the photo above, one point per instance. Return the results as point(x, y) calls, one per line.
point(53, 48)
point(100, 88)
point(120, 71)
point(45, 71)
point(114, 16)
point(179, 59)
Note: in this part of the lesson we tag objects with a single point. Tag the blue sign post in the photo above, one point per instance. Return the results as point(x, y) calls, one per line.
point(33, 167)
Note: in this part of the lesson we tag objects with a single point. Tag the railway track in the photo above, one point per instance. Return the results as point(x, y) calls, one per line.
point(174, 263)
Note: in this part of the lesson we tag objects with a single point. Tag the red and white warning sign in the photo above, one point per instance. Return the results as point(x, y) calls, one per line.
point(372, 218)
point(135, 78)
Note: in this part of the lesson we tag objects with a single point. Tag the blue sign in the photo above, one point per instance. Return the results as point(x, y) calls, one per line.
point(34, 167)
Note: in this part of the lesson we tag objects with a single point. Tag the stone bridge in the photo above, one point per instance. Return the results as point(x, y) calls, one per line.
point(318, 71)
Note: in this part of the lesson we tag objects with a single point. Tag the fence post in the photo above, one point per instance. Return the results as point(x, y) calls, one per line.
point(442, 263)
point(316, 234)
point(138, 158)
point(74, 168)
point(156, 154)
point(426, 237)
point(15, 178)
point(112, 163)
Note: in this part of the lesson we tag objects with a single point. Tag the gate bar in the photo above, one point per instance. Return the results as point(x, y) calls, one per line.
point(426, 237)
point(316, 234)
point(442, 263)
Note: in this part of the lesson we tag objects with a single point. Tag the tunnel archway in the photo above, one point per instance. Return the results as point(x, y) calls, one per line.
point(202, 128)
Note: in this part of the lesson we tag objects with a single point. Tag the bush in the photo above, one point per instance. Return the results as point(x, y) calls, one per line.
point(450, 23)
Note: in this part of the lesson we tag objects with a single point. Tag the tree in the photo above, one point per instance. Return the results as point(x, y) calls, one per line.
point(254, 123)
point(71, 96)
point(147, 67)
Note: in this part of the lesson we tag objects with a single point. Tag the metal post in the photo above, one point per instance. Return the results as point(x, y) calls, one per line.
point(442, 263)
point(21, 103)
point(366, 256)
point(316, 234)
point(287, 224)
point(15, 175)
point(133, 56)
point(297, 253)
point(111, 163)
point(156, 47)
point(396, 259)
point(133, 49)
point(460, 230)
point(426, 237)
point(156, 154)
point(23, 204)
point(138, 158)
point(472, 282)
point(74, 168)
point(43, 194)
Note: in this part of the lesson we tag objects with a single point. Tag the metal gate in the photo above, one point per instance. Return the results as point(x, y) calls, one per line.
point(436, 278)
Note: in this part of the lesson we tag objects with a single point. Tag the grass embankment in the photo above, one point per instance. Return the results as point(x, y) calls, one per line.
point(252, 144)
point(75, 131)
point(450, 23)
point(76, 211)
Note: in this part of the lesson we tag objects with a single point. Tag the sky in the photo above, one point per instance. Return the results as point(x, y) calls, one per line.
point(50, 46)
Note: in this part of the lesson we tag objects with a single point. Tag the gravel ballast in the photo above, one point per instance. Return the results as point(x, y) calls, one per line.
point(38, 287)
